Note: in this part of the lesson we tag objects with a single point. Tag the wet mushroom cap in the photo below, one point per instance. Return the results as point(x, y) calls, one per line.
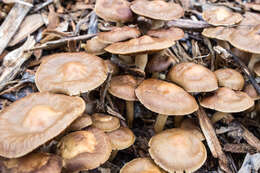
point(172, 33)
point(193, 77)
point(95, 47)
point(71, 73)
point(81, 123)
point(230, 78)
point(85, 150)
point(177, 150)
point(165, 98)
point(38, 118)
point(121, 138)
point(106, 123)
point(118, 34)
point(142, 44)
point(114, 10)
point(141, 165)
point(227, 100)
point(124, 86)
point(34, 162)
point(157, 9)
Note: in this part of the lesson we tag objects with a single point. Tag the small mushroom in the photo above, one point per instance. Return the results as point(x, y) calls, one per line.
point(230, 78)
point(106, 123)
point(217, 116)
point(38, 118)
point(159, 62)
point(71, 73)
point(95, 47)
point(84, 150)
point(177, 150)
point(193, 77)
point(227, 100)
point(166, 99)
point(81, 123)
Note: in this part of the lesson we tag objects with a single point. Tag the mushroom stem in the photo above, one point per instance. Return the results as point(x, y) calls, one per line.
point(141, 61)
point(113, 155)
point(254, 59)
point(156, 75)
point(177, 121)
point(130, 113)
point(126, 59)
point(156, 24)
point(160, 122)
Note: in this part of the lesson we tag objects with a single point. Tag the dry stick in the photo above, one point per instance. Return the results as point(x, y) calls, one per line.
point(42, 5)
point(188, 24)
point(227, 54)
point(11, 24)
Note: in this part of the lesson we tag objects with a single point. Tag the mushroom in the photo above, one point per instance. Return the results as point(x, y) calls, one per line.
point(193, 77)
point(95, 46)
point(71, 73)
point(220, 32)
point(190, 124)
point(33, 162)
point(81, 123)
point(230, 78)
point(217, 116)
point(140, 46)
point(257, 68)
point(106, 123)
point(84, 150)
point(165, 99)
point(250, 90)
point(141, 165)
point(227, 100)
point(172, 33)
point(177, 150)
point(121, 139)
point(123, 87)
point(38, 118)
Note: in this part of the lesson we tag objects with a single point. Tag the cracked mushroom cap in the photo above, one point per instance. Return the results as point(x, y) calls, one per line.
point(177, 150)
point(118, 34)
point(114, 10)
point(121, 138)
point(220, 15)
point(95, 47)
point(165, 98)
point(172, 33)
point(38, 118)
point(227, 100)
point(81, 123)
point(157, 9)
point(141, 165)
point(71, 73)
point(140, 45)
point(34, 162)
point(104, 122)
point(85, 150)
point(193, 77)
point(123, 87)
point(230, 78)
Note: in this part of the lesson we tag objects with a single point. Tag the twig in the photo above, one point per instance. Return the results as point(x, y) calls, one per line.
point(188, 24)
point(42, 5)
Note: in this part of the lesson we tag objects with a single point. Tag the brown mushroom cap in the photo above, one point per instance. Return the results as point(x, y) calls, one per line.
point(81, 122)
point(230, 78)
point(114, 10)
point(140, 165)
point(34, 162)
point(104, 122)
point(123, 87)
point(121, 138)
point(172, 33)
point(257, 68)
point(95, 46)
point(165, 98)
point(157, 9)
point(118, 34)
point(193, 77)
point(140, 45)
point(71, 73)
point(38, 118)
point(189, 124)
point(177, 150)
point(250, 90)
point(227, 100)
point(159, 62)
point(85, 150)
point(221, 33)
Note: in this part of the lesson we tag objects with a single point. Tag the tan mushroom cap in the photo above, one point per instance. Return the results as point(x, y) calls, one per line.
point(123, 87)
point(165, 98)
point(221, 33)
point(257, 68)
point(193, 77)
point(230, 78)
point(140, 45)
point(189, 124)
point(158, 63)
point(71, 73)
point(114, 10)
point(177, 150)
point(85, 150)
point(250, 90)
point(38, 118)
point(113, 68)
point(106, 123)
point(34, 162)
point(81, 122)
point(220, 15)
point(95, 46)
point(121, 138)
point(141, 165)
point(118, 34)
point(227, 100)
point(172, 33)
point(157, 9)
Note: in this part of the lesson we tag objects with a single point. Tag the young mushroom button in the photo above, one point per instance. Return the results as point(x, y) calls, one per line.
point(106, 123)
